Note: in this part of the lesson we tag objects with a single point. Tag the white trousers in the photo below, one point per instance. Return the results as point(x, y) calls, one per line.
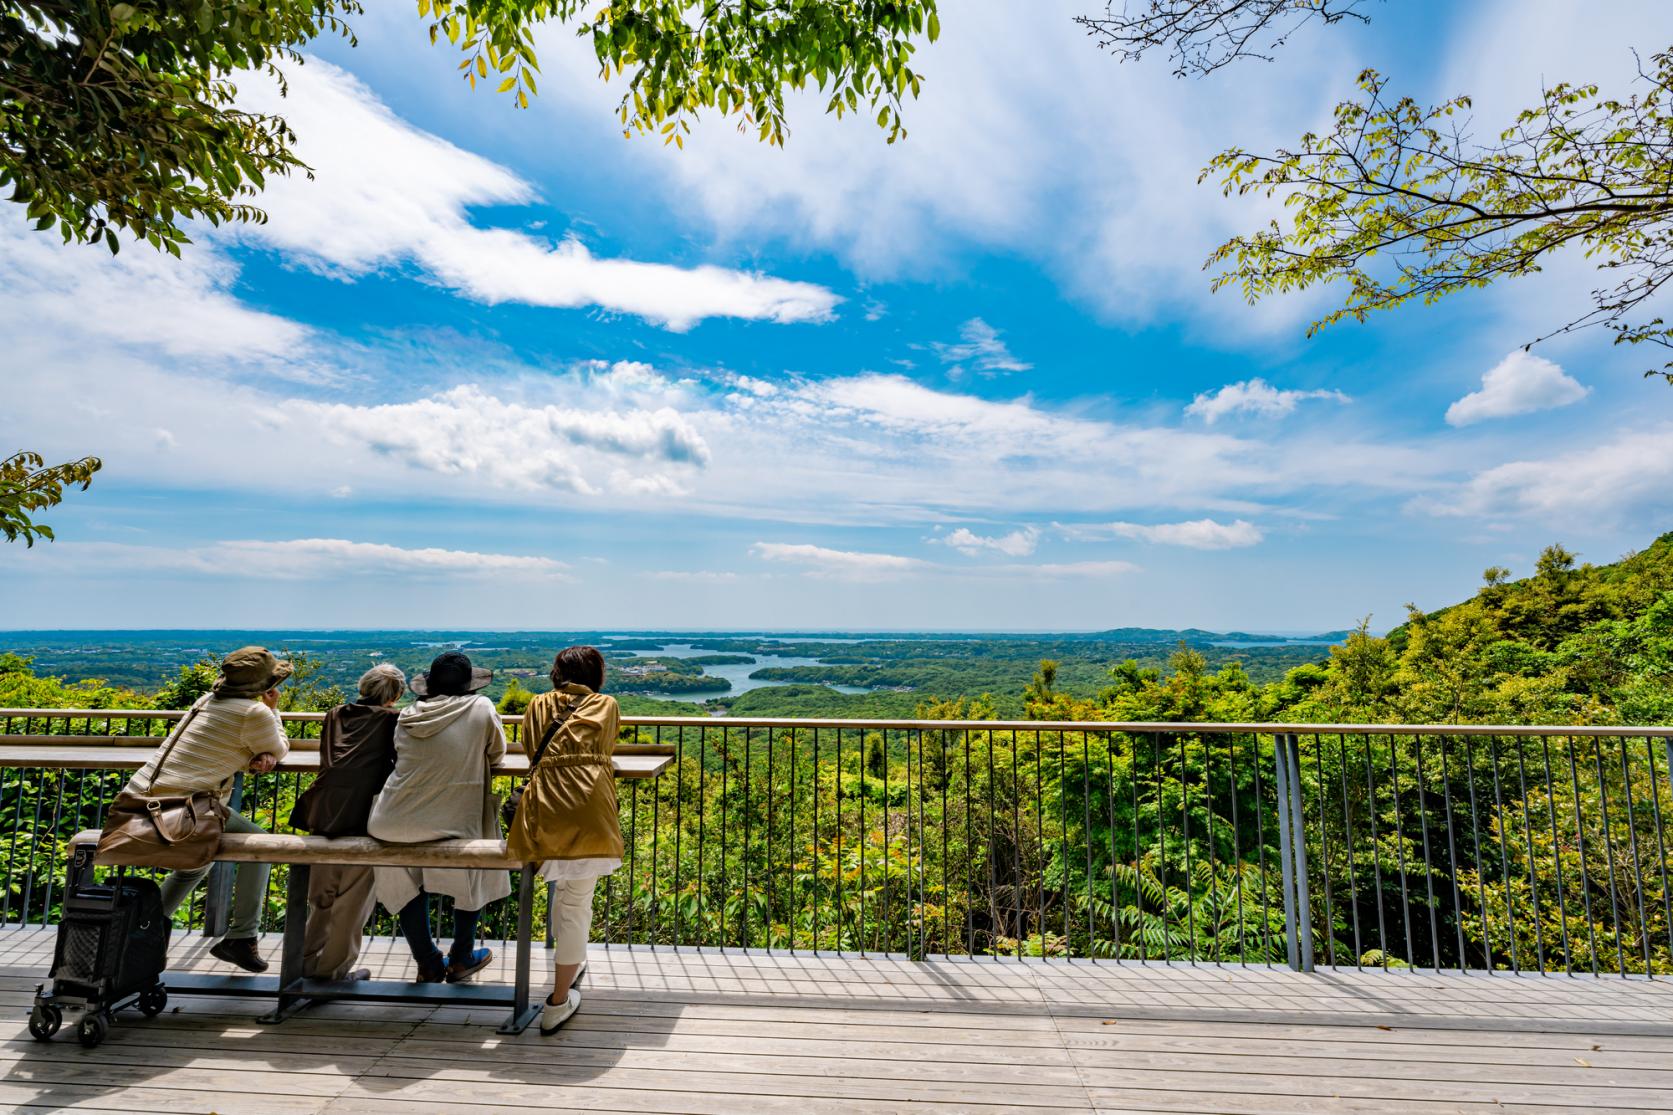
point(572, 918)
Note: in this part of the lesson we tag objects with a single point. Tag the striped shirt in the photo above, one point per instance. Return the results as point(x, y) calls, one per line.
point(218, 743)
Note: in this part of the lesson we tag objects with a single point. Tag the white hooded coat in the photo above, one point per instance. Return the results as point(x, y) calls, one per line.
point(440, 789)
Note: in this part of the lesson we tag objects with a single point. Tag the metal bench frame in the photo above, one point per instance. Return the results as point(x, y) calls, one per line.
point(293, 993)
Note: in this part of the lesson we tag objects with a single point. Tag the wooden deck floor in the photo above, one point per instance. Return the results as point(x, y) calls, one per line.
point(711, 1032)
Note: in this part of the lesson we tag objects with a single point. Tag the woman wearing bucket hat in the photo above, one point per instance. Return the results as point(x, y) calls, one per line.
point(231, 728)
point(445, 746)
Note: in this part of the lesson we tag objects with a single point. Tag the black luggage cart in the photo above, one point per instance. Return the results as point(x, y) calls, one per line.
point(112, 947)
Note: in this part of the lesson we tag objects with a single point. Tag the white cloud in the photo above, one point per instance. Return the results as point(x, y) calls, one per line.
point(978, 169)
point(302, 559)
point(694, 576)
point(468, 432)
point(1075, 569)
point(1632, 474)
point(1198, 534)
point(847, 565)
point(852, 565)
point(183, 307)
point(1018, 543)
point(979, 346)
point(384, 193)
point(1518, 384)
point(1253, 396)
point(863, 449)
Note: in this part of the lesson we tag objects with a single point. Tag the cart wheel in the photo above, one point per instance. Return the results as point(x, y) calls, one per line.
point(93, 1029)
point(44, 1021)
point(152, 1001)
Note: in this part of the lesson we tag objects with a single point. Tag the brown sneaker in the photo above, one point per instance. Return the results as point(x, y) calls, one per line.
point(240, 951)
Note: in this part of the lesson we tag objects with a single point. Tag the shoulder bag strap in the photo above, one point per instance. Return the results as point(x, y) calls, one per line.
point(546, 739)
point(174, 738)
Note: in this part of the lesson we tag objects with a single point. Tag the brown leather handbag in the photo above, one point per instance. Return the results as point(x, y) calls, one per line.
point(179, 831)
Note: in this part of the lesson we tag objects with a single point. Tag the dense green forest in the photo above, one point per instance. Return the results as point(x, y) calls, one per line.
point(1500, 849)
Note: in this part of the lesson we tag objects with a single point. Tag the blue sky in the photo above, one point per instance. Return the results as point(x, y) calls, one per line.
point(492, 368)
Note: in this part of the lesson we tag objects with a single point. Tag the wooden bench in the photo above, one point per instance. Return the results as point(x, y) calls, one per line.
point(291, 991)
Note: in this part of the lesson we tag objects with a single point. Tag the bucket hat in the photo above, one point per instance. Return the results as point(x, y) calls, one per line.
point(450, 675)
point(250, 672)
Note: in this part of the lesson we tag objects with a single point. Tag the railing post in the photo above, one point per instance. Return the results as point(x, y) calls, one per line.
point(1298, 850)
point(217, 898)
point(1292, 854)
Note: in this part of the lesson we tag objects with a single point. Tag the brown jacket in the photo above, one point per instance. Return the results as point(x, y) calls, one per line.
point(356, 754)
point(568, 810)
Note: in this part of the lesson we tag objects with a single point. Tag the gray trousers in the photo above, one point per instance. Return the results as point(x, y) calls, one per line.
point(249, 887)
point(340, 902)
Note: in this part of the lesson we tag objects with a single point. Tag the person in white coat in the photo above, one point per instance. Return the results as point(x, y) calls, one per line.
point(446, 745)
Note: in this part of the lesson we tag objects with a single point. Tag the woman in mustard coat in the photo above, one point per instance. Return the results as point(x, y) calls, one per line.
point(567, 819)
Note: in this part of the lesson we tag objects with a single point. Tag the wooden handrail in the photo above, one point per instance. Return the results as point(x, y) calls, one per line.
point(91, 753)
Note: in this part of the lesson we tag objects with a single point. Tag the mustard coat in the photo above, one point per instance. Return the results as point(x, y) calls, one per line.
point(568, 811)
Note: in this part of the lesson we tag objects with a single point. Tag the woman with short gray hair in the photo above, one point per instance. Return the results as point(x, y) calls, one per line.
point(383, 684)
point(357, 752)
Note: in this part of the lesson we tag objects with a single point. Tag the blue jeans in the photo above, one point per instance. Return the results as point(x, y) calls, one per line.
point(249, 887)
point(415, 927)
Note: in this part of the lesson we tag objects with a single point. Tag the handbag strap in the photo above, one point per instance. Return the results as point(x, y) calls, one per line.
point(174, 738)
point(545, 740)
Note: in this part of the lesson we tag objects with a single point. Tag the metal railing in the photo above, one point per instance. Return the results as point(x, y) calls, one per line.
point(1435, 847)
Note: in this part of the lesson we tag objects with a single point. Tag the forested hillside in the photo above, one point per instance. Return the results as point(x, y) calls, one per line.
point(1571, 644)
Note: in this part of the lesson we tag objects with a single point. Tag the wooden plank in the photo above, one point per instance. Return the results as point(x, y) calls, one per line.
point(1561, 1073)
point(1140, 1101)
point(1043, 1047)
point(849, 1061)
point(1391, 1091)
point(1090, 1031)
point(91, 1097)
point(1426, 1047)
point(444, 1095)
point(278, 847)
point(64, 1049)
point(546, 1091)
point(89, 1068)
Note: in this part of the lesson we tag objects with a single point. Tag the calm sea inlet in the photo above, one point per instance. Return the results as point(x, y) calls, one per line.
point(737, 674)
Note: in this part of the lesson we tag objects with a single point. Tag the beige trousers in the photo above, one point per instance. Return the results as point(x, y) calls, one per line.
point(572, 918)
point(340, 902)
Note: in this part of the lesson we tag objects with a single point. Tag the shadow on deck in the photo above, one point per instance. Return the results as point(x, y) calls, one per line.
point(706, 1031)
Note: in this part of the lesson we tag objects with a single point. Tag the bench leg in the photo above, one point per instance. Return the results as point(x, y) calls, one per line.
point(522, 1013)
point(290, 955)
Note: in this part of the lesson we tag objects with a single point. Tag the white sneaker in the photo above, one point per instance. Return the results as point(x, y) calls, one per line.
point(552, 1017)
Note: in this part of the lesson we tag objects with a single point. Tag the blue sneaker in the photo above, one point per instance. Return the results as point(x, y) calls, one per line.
point(462, 968)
